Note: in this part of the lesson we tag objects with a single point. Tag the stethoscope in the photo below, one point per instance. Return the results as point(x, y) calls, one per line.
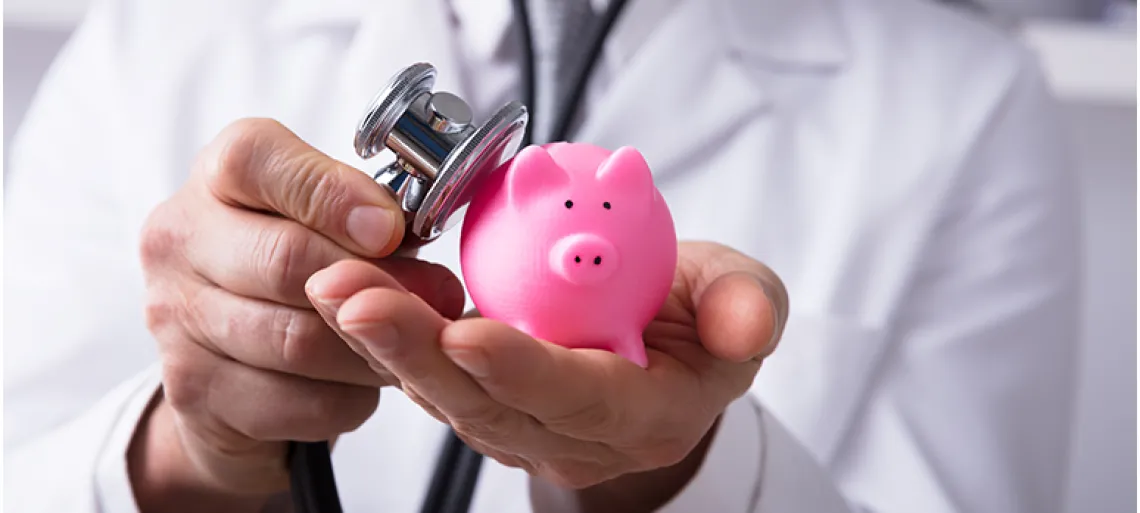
point(440, 154)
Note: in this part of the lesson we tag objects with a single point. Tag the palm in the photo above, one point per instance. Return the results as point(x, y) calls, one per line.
point(579, 417)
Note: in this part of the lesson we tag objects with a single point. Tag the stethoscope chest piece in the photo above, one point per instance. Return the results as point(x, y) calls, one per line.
point(440, 153)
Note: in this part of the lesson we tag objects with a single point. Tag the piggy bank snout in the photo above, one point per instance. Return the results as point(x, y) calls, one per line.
point(584, 259)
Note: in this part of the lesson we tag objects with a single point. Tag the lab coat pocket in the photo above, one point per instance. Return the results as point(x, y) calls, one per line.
point(817, 380)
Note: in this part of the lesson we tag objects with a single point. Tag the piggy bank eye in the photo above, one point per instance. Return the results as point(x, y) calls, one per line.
point(606, 205)
point(569, 204)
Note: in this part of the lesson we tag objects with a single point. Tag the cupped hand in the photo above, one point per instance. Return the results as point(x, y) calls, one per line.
point(577, 419)
point(248, 361)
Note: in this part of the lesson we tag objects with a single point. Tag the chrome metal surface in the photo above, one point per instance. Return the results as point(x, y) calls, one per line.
point(417, 144)
point(449, 113)
point(490, 145)
point(440, 153)
point(408, 187)
point(389, 105)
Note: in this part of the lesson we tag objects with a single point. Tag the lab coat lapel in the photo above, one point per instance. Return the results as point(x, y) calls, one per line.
point(711, 66)
point(812, 384)
point(694, 80)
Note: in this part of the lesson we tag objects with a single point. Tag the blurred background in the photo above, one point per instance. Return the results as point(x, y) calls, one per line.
point(1088, 48)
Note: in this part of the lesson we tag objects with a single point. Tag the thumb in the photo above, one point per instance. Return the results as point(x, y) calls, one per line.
point(259, 164)
point(741, 305)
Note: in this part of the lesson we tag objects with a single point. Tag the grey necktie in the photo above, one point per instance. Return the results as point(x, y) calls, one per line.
point(562, 29)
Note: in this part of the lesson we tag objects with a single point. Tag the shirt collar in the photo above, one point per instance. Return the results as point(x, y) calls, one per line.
point(487, 24)
point(484, 25)
point(788, 31)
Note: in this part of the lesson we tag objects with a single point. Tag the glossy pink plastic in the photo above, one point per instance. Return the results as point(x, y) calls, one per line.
point(572, 244)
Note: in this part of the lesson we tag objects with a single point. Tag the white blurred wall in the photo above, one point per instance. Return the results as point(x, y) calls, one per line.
point(1094, 73)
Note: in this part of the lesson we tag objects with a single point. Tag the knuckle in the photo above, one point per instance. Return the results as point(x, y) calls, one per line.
point(297, 334)
point(236, 148)
point(159, 239)
point(281, 254)
point(318, 189)
point(160, 313)
point(166, 314)
point(232, 150)
point(219, 328)
point(184, 383)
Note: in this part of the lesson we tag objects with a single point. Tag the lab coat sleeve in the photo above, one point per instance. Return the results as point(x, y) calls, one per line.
point(74, 326)
point(81, 466)
point(971, 409)
point(731, 480)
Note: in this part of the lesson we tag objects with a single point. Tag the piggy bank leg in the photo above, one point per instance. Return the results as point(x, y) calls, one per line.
point(632, 348)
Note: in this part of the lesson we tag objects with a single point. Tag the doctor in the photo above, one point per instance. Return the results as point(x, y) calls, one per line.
point(895, 162)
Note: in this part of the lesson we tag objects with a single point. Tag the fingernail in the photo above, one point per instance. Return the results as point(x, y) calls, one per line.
point(316, 288)
point(371, 227)
point(471, 360)
point(777, 330)
point(779, 312)
point(331, 303)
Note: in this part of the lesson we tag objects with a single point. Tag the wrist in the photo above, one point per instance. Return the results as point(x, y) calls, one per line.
point(164, 478)
point(631, 493)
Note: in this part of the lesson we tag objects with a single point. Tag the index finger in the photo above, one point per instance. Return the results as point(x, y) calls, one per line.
point(261, 165)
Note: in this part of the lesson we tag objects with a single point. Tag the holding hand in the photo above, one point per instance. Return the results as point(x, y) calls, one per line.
point(248, 364)
point(578, 419)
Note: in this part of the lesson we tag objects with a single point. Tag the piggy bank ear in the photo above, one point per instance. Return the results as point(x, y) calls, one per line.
point(532, 174)
point(627, 175)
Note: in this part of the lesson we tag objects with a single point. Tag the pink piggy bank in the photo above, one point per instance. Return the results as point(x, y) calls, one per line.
point(572, 244)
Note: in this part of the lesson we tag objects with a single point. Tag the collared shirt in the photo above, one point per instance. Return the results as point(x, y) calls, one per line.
point(895, 163)
point(492, 55)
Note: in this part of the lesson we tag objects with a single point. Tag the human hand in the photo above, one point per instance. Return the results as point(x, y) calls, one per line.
point(248, 362)
point(584, 421)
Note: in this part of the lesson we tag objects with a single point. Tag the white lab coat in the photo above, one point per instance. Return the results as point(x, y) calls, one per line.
point(897, 163)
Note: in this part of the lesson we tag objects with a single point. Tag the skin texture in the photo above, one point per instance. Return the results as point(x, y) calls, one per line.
point(587, 424)
point(248, 361)
point(280, 311)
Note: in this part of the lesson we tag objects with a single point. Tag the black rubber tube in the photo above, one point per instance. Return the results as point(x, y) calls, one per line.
point(311, 478)
point(441, 479)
